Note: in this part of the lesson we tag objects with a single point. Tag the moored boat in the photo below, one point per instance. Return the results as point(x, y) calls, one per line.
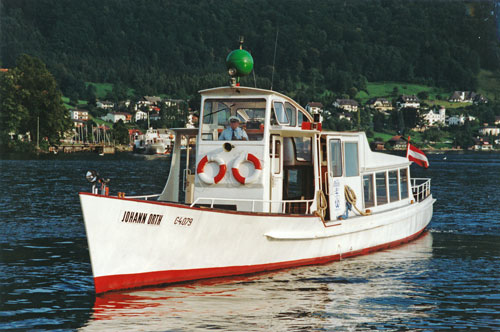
point(294, 195)
point(154, 141)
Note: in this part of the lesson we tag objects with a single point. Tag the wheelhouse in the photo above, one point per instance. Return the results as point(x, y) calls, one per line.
point(287, 165)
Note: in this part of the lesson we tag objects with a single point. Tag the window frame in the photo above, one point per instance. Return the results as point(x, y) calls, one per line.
point(346, 159)
point(397, 198)
point(330, 154)
point(275, 102)
point(379, 197)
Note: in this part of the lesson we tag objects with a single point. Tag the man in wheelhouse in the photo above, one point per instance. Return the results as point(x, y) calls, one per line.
point(233, 132)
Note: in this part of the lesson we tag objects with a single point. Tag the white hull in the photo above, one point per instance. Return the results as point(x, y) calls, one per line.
point(135, 243)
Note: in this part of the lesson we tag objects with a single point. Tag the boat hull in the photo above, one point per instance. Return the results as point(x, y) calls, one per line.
point(136, 243)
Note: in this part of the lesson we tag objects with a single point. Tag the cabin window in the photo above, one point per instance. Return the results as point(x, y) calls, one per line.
point(368, 192)
point(301, 117)
point(216, 113)
point(393, 186)
point(335, 158)
point(380, 183)
point(351, 159)
point(303, 148)
point(280, 114)
point(298, 183)
point(403, 182)
point(291, 113)
point(277, 157)
point(293, 185)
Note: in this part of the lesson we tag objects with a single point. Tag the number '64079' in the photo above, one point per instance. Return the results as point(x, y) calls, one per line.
point(183, 221)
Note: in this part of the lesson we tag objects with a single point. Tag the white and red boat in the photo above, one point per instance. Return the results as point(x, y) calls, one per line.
point(290, 195)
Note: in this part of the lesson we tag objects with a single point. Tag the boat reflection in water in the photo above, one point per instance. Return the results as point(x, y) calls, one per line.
point(355, 293)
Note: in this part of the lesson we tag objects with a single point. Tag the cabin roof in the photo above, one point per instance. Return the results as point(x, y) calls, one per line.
point(239, 91)
point(373, 161)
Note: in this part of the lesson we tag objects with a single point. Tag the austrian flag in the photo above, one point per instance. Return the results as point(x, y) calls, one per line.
point(416, 155)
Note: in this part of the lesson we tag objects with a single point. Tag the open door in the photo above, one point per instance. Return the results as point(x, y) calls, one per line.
point(276, 172)
point(335, 192)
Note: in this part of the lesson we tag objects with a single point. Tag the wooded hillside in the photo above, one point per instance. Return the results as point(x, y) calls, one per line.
point(179, 47)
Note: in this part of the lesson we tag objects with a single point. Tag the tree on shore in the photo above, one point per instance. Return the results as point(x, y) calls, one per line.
point(31, 102)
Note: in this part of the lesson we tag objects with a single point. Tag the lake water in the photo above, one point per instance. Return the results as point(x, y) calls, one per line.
point(447, 279)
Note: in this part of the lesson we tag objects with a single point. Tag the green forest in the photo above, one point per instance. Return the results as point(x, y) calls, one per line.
point(176, 48)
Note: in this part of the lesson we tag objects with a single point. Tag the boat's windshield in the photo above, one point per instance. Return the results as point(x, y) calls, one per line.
point(217, 112)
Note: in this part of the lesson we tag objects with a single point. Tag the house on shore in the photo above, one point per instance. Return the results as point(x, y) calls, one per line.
point(314, 107)
point(117, 116)
point(459, 120)
point(380, 104)
point(76, 114)
point(408, 101)
point(349, 105)
point(467, 97)
point(489, 130)
point(435, 117)
point(105, 104)
point(497, 120)
point(147, 101)
point(345, 115)
point(140, 115)
point(397, 142)
point(482, 144)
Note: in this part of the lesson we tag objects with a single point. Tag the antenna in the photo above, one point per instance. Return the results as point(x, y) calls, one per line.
point(254, 79)
point(274, 58)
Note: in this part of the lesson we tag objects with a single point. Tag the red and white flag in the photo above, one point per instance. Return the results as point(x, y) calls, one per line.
point(415, 154)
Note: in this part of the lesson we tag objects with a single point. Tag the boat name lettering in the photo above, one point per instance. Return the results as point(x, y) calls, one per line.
point(183, 221)
point(142, 218)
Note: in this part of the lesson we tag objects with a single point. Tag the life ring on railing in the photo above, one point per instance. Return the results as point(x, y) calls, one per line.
point(200, 170)
point(236, 165)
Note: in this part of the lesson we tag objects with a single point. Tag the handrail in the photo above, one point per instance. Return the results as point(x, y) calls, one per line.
point(253, 201)
point(421, 188)
point(145, 197)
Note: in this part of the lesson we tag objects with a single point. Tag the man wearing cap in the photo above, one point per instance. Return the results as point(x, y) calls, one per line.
point(233, 132)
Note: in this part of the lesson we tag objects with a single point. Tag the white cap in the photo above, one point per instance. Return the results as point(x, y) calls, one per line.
point(234, 118)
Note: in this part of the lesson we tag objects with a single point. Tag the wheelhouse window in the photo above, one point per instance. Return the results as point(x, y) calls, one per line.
point(393, 186)
point(368, 192)
point(303, 148)
point(301, 117)
point(216, 114)
point(351, 159)
point(291, 113)
point(335, 158)
point(403, 182)
point(280, 114)
point(380, 183)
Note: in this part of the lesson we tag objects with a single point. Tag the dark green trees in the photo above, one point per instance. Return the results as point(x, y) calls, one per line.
point(31, 102)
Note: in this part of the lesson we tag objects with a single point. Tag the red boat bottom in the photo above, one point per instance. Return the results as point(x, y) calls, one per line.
point(124, 281)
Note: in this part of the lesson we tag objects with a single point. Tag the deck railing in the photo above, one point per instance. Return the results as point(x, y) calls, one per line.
point(421, 188)
point(287, 206)
point(144, 197)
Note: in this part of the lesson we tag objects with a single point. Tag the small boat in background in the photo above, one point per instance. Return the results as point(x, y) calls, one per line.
point(154, 142)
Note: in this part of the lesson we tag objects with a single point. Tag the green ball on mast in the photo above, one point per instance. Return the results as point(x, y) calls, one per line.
point(239, 63)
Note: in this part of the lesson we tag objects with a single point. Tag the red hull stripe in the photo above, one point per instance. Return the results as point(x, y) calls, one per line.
point(123, 281)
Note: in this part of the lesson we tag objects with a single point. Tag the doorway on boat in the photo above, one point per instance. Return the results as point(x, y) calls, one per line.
point(298, 172)
point(332, 177)
point(188, 166)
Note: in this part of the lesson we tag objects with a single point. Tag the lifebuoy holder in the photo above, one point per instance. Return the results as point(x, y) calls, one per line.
point(200, 170)
point(236, 165)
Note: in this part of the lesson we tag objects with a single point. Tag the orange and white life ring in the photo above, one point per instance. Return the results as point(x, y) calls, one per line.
point(236, 165)
point(200, 170)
